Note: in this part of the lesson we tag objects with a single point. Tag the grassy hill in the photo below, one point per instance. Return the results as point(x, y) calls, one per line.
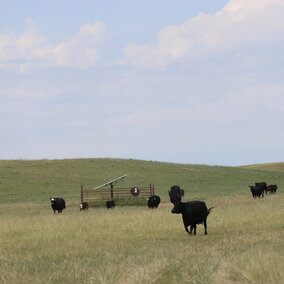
point(132, 244)
point(37, 180)
point(269, 166)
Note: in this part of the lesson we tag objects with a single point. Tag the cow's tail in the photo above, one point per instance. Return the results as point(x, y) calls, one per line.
point(210, 210)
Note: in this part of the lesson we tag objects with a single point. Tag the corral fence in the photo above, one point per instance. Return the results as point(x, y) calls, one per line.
point(122, 196)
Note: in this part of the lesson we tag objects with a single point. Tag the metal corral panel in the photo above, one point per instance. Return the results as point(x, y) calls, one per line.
point(97, 196)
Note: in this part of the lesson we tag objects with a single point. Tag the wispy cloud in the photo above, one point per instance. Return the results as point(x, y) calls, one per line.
point(29, 49)
point(240, 23)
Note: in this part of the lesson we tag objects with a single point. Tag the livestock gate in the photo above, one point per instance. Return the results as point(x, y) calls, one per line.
point(136, 195)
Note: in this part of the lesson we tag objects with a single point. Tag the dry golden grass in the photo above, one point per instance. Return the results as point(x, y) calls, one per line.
point(245, 244)
point(268, 166)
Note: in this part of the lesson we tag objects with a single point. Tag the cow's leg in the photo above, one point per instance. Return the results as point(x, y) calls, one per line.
point(205, 227)
point(194, 229)
point(186, 229)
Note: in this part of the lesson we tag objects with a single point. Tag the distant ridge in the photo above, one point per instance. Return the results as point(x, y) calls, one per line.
point(268, 166)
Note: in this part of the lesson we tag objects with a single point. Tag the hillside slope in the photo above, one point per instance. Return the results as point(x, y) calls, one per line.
point(269, 166)
point(37, 180)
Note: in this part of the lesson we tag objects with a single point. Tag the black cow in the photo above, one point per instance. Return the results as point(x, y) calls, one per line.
point(57, 204)
point(256, 191)
point(175, 198)
point(193, 213)
point(175, 194)
point(153, 201)
point(271, 188)
point(110, 204)
point(84, 206)
point(262, 185)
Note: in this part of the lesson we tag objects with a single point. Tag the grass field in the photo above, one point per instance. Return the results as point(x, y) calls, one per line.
point(245, 240)
point(38, 180)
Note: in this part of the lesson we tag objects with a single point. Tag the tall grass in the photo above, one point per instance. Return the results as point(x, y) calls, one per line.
point(132, 244)
point(245, 244)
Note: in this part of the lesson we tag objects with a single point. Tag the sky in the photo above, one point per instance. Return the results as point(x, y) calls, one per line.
point(184, 81)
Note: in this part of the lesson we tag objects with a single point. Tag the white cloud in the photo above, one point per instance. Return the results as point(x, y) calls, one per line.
point(30, 48)
point(80, 51)
point(19, 47)
point(239, 23)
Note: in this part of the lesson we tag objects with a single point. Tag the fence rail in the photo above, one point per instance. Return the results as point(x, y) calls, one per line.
point(97, 196)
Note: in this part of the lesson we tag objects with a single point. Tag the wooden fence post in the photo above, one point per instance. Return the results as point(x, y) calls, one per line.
point(82, 194)
point(111, 191)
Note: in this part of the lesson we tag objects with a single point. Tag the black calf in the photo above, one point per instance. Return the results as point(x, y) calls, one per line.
point(84, 206)
point(110, 204)
point(153, 201)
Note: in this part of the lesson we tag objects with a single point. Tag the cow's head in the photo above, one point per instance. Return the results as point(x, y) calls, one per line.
point(175, 198)
point(177, 208)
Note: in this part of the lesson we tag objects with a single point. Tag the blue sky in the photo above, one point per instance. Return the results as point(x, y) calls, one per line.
point(178, 81)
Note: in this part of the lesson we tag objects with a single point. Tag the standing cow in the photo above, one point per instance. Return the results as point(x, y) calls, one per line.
point(153, 201)
point(256, 191)
point(271, 188)
point(84, 206)
point(110, 204)
point(175, 194)
point(57, 204)
point(193, 213)
point(262, 185)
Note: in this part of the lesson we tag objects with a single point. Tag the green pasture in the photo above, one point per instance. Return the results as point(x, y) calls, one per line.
point(36, 181)
point(134, 244)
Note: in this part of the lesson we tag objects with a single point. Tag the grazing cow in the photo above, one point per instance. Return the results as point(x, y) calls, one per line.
point(193, 213)
point(271, 188)
point(110, 204)
point(256, 191)
point(175, 194)
point(153, 201)
point(57, 203)
point(84, 206)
